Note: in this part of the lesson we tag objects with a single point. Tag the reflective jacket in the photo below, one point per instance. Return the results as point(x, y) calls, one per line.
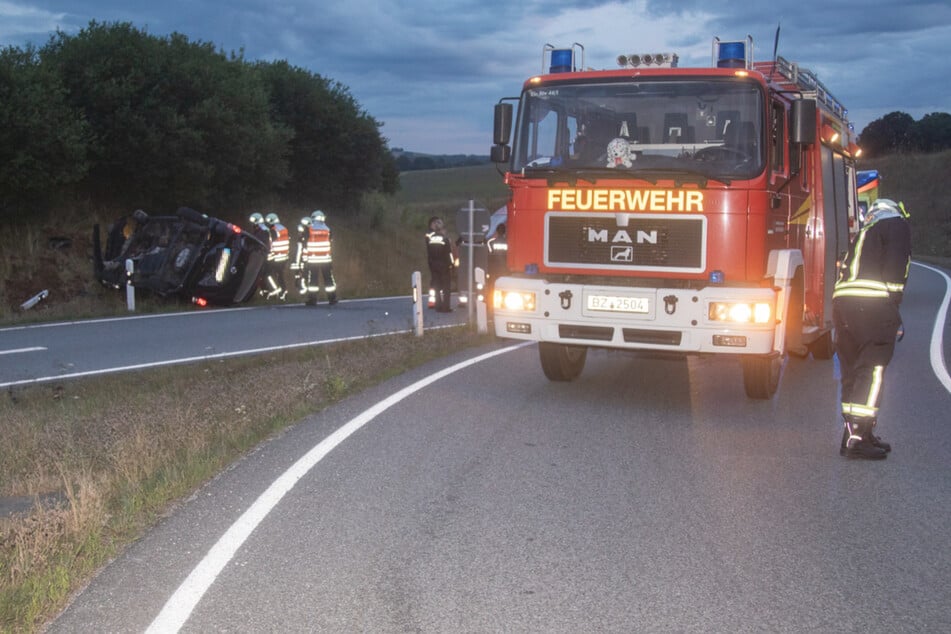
point(317, 245)
point(438, 251)
point(280, 244)
point(878, 260)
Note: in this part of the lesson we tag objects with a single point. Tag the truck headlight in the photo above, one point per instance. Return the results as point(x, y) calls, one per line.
point(741, 312)
point(514, 300)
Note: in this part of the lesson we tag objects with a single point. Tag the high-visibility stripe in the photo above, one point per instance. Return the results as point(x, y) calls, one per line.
point(861, 288)
point(869, 408)
point(878, 372)
point(280, 245)
point(317, 249)
point(859, 410)
point(316, 288)
point(854, 265)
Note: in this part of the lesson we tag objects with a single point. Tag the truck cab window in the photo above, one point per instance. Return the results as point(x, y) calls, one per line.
point(709, 125)
point(777, 135)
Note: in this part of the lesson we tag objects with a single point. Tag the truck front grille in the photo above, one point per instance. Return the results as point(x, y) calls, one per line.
point(596, 333)
point(648, 242)
point(655, 337)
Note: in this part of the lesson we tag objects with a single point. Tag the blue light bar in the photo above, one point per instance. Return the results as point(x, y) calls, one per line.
point(562, 60)
point(864, 177)
point(731, 55)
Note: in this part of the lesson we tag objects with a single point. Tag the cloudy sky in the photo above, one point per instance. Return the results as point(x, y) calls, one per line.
point(431, 70)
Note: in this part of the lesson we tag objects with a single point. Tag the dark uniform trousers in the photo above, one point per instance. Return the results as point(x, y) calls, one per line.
point(866, 329)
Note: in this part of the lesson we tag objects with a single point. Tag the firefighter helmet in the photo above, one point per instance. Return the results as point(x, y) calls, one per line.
point(272, 219)
point(256, 218)
point(318, 216)
point(305, 221)
point(885, 208)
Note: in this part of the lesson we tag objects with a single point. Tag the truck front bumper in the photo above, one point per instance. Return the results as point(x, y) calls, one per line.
point(715, 319)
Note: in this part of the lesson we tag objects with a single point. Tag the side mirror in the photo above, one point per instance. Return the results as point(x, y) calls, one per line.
point(802, 131)
point(500, 154)
point(503, 123)
point(802, 124)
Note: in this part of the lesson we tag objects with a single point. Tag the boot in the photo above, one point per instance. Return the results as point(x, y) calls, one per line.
point(874, 440)
point(855, 445)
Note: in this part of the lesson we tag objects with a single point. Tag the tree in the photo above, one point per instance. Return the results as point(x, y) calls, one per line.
point(43, 142)
point(891, 133)
point(337, 151)
point(932, 133)
point(174, 122)
point(133, 120)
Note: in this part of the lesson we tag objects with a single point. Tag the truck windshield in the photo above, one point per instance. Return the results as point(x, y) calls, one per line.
point(699, 125)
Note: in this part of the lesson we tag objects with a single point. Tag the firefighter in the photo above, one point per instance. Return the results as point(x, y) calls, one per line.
point(865, 313)
point(441, 257)
point(277, 257)
point(314, 259)
point(259, 229)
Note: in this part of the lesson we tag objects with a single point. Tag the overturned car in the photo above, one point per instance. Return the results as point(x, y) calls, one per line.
point(190, 255)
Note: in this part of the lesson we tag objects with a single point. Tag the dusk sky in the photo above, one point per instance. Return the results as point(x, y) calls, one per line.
point(431, 70)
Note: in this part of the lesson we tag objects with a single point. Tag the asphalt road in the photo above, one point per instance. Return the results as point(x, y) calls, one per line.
point(58, 351)
point(648, 495)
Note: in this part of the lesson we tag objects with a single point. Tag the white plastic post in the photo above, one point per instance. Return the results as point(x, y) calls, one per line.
point(418, 303)
point(129, 289)
point(482, 322)
point(36, 299)
point(470, 263)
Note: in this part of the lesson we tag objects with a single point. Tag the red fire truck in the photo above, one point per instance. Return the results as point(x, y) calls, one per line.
point(686, 210)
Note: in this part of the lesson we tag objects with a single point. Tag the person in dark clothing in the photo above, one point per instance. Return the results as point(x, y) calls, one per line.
point(867, 321)
point(259, 229)
point(439, 252)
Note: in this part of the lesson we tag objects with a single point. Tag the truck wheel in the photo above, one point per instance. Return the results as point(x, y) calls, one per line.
point(761, 375)
point(561, 362)
point(824, 347)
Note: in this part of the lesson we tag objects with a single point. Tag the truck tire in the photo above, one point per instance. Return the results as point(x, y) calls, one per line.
point(824, 347)
point(761, 375)
point(561, 362)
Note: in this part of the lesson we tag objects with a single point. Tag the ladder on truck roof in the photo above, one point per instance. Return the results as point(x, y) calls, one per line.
point(806, 81)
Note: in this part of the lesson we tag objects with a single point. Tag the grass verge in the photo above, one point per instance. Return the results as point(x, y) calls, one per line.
point(118, 451)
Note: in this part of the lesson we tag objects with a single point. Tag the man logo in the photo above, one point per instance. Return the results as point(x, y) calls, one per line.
point(621, 235)
point(622, 254)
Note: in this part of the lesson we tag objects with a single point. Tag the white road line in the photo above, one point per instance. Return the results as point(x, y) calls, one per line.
point(179, 607)
point(205, 357)
point(937, 334)
point(19, 350)
point(102, 320)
